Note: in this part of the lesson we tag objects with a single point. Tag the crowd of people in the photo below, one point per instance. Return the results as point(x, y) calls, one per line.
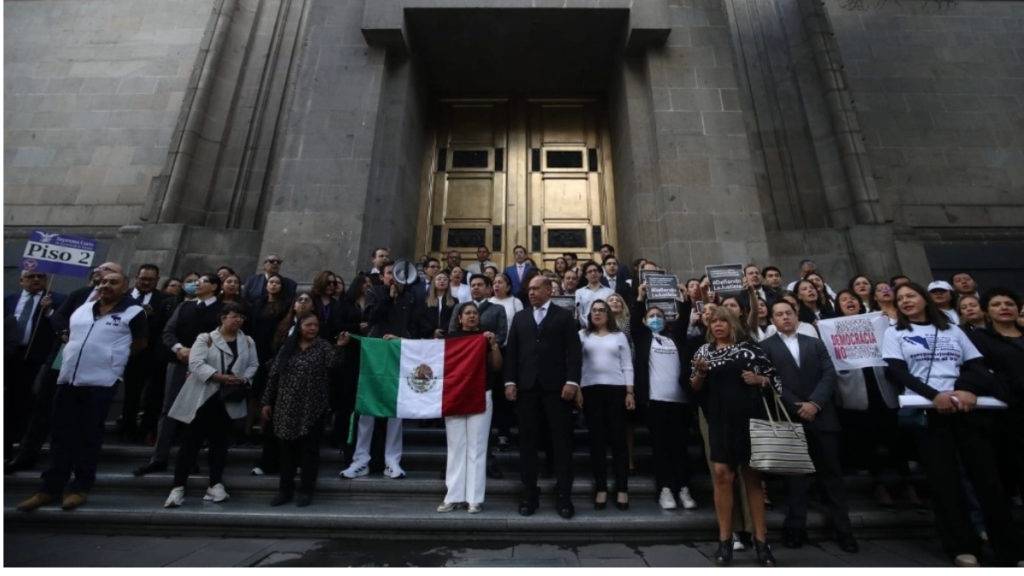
point(208, 358)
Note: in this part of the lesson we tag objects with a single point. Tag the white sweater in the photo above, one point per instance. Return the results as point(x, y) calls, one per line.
point(606, 359)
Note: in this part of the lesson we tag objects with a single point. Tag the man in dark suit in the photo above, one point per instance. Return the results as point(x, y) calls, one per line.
point(808, 384)
point(28, 311)
point(190, 319)
point(542, 374)
point(612, 276)
point(38, 428)
point(147, 365)
point(517, 271)
point(256, 284)
point(623, 272)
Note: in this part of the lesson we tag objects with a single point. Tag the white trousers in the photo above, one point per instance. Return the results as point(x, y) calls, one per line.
point(466, 473)
point(392, 442)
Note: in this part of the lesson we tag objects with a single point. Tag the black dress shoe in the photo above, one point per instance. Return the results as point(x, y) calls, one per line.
point(620, 504)
point(281, 498)
point(764, 553)
point(566, 510)
point(600, 504)
point(303, 499)
point(149, 468)
point(723, 557)
point(847, 543)
point(793, 538)
point(527, 506)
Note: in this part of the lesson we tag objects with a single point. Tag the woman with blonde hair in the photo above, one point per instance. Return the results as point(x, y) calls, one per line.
point(729, 373)
point(440, 303)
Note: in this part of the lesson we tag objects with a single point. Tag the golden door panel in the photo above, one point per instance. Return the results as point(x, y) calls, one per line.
point(507, 172)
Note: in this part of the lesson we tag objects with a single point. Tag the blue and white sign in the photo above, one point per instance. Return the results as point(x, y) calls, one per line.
point(59, 254)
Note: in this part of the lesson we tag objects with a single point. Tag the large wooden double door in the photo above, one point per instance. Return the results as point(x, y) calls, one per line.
point(532, 172)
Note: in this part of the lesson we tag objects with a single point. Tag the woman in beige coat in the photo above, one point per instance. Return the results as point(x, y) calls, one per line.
point(221, 366)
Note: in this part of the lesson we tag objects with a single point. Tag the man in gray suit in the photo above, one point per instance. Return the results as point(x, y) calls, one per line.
point(808, 384)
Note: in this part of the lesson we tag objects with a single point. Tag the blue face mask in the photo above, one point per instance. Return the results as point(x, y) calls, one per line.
point(656, 323)
point(190, 288)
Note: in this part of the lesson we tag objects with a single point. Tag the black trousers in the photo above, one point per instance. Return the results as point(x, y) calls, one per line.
point(211, 423)
point(153, 394)
point(865, 431)
point(304, 452)
point(535, 408)
point(1008, 435)
point(967, 438)
point(824, 450)
point(669, 424)
point(19, 375)
point(38, 428)
point(79, 415)
point(605, 410)
point(137, 374)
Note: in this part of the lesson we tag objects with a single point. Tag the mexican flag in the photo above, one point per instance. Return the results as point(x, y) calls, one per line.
point(422, 379)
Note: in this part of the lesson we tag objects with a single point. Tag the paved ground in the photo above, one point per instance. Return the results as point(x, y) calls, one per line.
point(52, 549)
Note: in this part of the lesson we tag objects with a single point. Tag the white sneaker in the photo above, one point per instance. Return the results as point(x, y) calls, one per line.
point(737, 543)
point(216, 493)
point(256, 471)
point(394, 473)
point(965, 561)
point(666, 501)
point(684, 496)
point(354, 471)
point(175, 498)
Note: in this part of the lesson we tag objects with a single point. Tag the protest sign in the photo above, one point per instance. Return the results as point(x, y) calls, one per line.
point(725, 279)
point(567, 302)
point(662, 287)
point(854, 342)
point(59, 254)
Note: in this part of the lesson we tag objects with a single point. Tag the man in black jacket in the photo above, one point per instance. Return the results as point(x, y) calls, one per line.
point(808, 384)
point(256, 285)
point(542, 374)
point(190, 319)
point(144, 367)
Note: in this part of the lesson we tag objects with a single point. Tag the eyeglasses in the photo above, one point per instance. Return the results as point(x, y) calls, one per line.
point(597, 310)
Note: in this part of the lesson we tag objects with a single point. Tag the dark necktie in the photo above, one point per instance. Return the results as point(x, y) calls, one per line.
point(25, 317)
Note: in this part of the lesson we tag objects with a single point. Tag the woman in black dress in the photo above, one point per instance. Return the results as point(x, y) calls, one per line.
point(728, 374)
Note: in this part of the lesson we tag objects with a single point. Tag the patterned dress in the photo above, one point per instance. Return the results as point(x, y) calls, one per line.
point(728, 402)
point(299, 391)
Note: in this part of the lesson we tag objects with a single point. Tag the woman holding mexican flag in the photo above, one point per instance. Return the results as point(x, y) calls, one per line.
point(466, 471)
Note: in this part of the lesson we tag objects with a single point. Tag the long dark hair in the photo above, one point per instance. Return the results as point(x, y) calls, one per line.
point(612, 325)
point(291, 343)
point(932, 314)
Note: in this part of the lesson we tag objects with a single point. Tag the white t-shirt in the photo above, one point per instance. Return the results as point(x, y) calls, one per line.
point(606, 359)
point(461, 293)
point(664, 370)
point(916, 346)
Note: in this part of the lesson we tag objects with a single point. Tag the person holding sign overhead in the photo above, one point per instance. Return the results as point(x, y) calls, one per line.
point(934, 359)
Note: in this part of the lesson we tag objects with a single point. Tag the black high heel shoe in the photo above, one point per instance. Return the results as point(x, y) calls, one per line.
point(723, 557)
point(601, 505)
point(620, 504)
point(764, 553)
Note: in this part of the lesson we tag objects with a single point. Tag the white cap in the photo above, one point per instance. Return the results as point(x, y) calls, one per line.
point(940, 285)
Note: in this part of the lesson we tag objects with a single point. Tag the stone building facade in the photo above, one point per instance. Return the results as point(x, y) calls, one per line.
point(869, 135)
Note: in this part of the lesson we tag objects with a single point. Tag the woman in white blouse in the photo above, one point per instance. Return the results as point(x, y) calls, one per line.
point(607, 384)
point(503, 295)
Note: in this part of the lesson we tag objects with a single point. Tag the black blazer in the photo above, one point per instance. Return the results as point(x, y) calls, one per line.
point(544, 357)
point(642, 338)
point(45, 337)
point(814, 380)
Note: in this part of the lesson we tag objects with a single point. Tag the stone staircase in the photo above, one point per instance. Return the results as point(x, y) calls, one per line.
point(405, 508)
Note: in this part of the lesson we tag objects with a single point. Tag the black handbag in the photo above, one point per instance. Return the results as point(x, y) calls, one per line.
point(231, 393)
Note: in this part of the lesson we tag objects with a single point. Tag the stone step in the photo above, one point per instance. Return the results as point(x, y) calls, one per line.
point(413, 515)
point(117, 476)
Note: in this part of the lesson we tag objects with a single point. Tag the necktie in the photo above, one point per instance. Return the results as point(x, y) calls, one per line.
point(25, 317)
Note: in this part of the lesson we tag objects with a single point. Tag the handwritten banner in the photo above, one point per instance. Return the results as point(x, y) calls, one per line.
point(854, 342)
